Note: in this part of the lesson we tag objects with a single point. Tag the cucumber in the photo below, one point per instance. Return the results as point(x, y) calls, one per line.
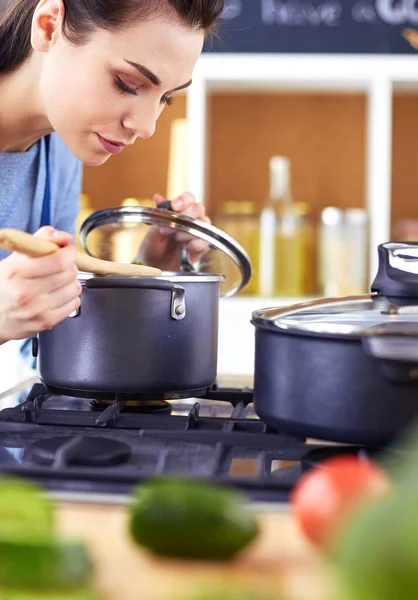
point(191, 519)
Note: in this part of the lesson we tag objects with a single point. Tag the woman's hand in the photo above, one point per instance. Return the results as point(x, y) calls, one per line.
point(161, 247)
point(37, 293)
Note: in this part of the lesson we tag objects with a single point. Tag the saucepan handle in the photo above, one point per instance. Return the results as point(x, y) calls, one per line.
point(397, 275)
point(148, 283)
point(178, 293)
point(395, 347)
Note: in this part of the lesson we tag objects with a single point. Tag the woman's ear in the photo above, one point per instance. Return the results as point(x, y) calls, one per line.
point(47, 24)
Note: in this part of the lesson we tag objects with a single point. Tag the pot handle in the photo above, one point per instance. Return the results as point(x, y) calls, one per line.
point(395, 347)
point(178, 302)
point(397, 275)
point(148, 283)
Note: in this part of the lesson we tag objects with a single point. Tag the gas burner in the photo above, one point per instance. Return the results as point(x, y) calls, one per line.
point(316, 456)
point(78, 451)
point(110, 445)
point(138, 396)
point(136, 406)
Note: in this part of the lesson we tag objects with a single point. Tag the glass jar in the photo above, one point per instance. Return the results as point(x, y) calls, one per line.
point(294, 251)
point(240, 220)
point(343, 252)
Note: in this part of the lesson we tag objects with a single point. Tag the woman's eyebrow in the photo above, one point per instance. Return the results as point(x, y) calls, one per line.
point(146, 72)
point(153, 78)
point(182, 87)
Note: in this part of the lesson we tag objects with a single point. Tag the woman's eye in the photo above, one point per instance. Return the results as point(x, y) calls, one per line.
point(125, 88)
point(167, 100)
point(134, 91)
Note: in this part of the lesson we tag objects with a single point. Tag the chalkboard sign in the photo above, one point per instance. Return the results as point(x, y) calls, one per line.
point(322, 26)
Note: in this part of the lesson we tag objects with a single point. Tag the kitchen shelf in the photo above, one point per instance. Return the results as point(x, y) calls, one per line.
point(376, 76)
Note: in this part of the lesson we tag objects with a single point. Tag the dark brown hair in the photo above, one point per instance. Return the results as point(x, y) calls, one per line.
point(82, 17)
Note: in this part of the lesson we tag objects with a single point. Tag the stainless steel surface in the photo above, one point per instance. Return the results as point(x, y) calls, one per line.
point(394, 347)
point(350, 316)
point(403, 257)
point(125, 500)
point(173, 276)
point(178, 303)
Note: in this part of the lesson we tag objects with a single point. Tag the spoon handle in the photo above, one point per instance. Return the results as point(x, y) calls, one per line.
point(25, 243)
point(20, 241)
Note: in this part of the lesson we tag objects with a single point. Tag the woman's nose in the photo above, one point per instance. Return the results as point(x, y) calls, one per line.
point(142, 124)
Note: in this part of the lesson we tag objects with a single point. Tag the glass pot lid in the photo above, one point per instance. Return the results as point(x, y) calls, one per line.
point(173, 242)
point(392, 306)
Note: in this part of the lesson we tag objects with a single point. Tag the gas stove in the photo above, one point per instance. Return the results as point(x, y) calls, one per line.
point(87, 448)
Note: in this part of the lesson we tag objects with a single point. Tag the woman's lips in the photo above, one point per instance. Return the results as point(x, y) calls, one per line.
point(111, 147)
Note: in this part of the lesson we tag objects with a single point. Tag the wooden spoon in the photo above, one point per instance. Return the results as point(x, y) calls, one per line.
point(25, 243)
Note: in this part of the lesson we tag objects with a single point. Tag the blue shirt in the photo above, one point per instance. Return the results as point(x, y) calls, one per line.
point(22, 190)
point(22, 187)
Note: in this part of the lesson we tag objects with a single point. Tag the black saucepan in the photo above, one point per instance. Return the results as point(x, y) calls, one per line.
point(142, 336)
point(344, 369)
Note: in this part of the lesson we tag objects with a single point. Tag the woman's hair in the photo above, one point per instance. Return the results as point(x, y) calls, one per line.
point(82, 17)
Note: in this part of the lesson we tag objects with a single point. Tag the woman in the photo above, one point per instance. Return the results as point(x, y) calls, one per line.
point(97, 73)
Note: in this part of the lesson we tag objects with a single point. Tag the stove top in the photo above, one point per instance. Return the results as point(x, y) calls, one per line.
point(85, 446)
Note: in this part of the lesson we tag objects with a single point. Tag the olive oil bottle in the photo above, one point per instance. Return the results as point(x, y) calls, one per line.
point(293, 241)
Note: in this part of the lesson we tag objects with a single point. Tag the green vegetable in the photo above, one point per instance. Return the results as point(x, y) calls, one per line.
point(191, 519)
point(378, 551)
point(134, 262)
point(24, 512)
point(227, 595)
point(42, 595)
point(43, 564)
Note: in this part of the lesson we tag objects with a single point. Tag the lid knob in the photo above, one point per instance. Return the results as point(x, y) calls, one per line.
point(397, 274)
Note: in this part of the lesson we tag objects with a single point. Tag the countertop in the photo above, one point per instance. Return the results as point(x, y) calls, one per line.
point(280, 562)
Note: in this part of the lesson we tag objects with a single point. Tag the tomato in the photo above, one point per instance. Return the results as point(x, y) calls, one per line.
point(327, 494)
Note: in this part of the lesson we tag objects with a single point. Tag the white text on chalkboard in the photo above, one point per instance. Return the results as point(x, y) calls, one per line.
point(276, 12)
point(301, 13)
point(232, 9)
point(397, 12)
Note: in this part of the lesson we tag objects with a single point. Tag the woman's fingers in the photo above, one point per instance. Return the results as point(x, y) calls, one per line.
point(43, 266)
point(61, 238)
point(38, 293)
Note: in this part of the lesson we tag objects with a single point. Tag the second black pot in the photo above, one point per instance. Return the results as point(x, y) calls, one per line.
point(344, 370)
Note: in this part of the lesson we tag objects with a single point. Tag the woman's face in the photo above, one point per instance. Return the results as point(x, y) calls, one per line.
point(104, 94)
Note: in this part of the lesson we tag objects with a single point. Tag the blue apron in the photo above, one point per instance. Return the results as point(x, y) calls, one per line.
point(46, 207)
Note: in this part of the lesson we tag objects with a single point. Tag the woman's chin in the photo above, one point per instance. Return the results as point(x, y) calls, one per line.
point(95, 161)
point(91, 158)
point(90, 154)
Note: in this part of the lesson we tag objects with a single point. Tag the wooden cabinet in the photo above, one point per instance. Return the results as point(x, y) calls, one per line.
point(322, 134)
point(404, 157)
